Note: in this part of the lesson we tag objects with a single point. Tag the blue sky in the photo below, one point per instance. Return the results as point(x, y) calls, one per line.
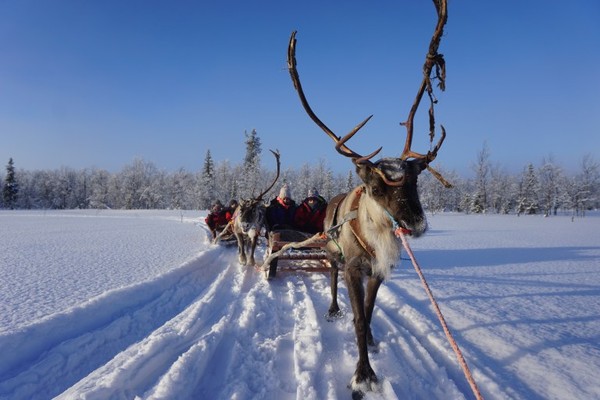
point(99, 83)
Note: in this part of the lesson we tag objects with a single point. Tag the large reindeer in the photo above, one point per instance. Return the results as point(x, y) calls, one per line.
point(362, 225)
point(248, 220)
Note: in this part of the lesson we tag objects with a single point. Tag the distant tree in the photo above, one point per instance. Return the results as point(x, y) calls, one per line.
point(502, 192)
point(180, 186)
point(140, 185)
point(99, 192)
point(10, 189)
point(528, 201)
point(435, 197)
point(250, 180)
point(350, 182)
point(206, 193)
point(304, 181)
point(552, 186)
point(479, 200)
point(585, 190)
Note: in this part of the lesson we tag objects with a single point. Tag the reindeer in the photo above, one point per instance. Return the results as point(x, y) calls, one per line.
point(248, 220)
point(362, 225)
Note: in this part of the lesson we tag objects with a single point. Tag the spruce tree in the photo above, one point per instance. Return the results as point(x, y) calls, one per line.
point(207, 183)
point(251, 181)
point(10, 190)
point(528, 202)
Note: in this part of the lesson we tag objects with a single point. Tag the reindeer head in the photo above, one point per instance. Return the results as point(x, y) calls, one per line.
point(251, 212)
point(399, 201)
point(390, 183)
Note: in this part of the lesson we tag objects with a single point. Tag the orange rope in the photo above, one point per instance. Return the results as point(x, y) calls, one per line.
point(461, 359)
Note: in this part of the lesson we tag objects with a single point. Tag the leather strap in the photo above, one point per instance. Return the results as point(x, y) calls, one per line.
point(355, 225)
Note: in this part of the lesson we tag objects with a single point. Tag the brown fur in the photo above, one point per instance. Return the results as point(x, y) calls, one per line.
point(372, 201)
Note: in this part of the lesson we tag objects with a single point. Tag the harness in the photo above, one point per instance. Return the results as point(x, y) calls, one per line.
point(352, 218)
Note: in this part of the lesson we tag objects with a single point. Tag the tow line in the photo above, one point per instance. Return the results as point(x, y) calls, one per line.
point(461, 360)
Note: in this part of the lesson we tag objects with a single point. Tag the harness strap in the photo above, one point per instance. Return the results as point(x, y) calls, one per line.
point(355, 225)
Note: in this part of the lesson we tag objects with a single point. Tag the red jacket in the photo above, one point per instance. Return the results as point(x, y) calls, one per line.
point(309, 219)
point(217, 220)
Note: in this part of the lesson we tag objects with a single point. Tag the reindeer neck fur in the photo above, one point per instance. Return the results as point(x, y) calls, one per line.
point(377, 231)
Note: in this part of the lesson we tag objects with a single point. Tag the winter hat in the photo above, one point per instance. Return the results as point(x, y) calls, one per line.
point(285, 192)
point(312, 193)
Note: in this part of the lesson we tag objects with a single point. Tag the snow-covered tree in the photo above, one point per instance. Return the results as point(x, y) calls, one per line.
point(100, 189)
point(207, 184)
point(479, 199)
point(251, 182)
point(181, 185)
point(502, 191)
point(585, 188)
point(140, 185)
point(528, 201)
point(350, 182)
point(10, 188)
point(552, 186)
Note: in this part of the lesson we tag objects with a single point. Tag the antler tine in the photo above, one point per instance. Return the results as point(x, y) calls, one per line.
point(357, 157)
point(432, 59)
point(277, 155)
point(431, 155)
point(340, 142)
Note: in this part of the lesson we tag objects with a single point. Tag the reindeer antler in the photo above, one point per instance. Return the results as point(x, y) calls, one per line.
point(276, 154)
point(433, 59)
point(340, 142)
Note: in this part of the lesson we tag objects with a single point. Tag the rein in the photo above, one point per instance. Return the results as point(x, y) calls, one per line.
point(453, 344)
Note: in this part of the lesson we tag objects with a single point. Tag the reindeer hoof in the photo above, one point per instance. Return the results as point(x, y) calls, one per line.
point(363, 382)
point(333, 315)
point(242, 260)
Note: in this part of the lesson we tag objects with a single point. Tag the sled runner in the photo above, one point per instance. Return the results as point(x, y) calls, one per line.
point(297, 252)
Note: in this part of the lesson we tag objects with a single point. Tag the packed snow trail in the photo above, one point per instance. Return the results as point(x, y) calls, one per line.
point(214, 329)
point(247, 338)
point(524, 314)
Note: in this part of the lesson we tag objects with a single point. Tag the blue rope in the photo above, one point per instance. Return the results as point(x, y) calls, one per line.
point(394, 223)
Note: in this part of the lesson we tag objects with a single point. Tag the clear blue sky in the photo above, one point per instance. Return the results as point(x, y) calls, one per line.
point(99, 83)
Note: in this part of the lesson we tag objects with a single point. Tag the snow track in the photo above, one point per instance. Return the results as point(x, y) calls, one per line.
point(173, 336)
point(208, 328)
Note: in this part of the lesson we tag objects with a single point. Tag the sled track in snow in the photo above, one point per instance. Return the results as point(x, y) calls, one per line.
point(214, 329)
point(56, 352)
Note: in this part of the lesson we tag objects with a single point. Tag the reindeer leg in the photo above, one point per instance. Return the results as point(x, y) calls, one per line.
point(364, 378)
point(334, 308)
point(253, 241)
point(373, 285)
point(241, 249)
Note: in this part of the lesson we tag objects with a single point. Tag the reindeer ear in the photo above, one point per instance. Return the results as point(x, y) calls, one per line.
point(420, 164)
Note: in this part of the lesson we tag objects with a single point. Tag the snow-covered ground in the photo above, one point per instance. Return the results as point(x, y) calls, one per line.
point(125, 305)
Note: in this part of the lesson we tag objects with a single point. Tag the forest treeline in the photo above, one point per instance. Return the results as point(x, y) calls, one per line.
point(542, 189)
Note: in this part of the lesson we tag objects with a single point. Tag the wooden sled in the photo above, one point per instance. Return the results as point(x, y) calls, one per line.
point(226, 236)
point(298, 247)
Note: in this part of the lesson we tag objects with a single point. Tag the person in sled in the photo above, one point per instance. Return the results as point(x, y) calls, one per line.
point(233, 205)
point(217, 218)
point(310, 213)
point(280, 212)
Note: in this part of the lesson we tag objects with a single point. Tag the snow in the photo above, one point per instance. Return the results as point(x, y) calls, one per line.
point(139, 305)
